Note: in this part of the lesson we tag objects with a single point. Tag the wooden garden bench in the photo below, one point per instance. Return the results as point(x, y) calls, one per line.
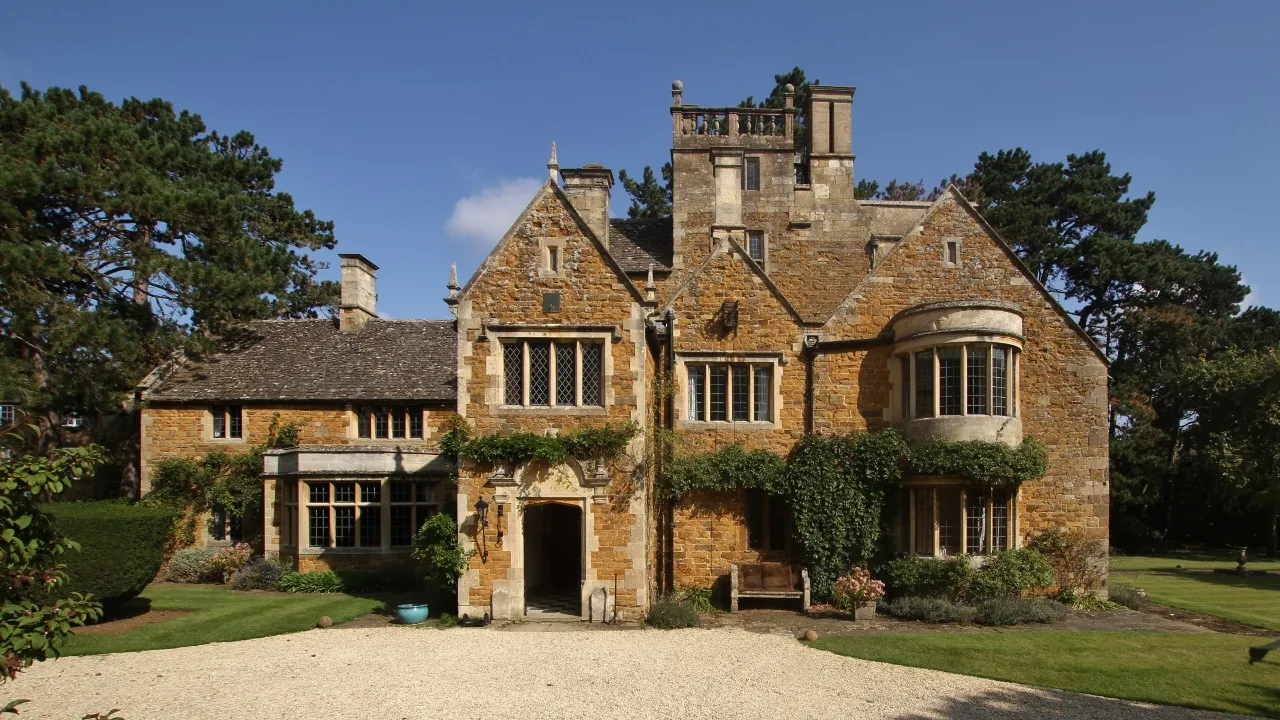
point(768, 580)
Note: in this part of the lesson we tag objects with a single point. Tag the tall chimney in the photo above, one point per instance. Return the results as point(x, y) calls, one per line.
point(359, 292)
point(588, 190)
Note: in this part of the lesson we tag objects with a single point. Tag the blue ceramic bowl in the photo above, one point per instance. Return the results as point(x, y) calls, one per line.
point(412, 614)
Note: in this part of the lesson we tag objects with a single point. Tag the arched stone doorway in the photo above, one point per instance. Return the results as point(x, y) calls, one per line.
point(553, 571)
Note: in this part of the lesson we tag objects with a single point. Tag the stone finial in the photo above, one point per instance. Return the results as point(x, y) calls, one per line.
point(650, 290)
point(677, 92)
point(452, 300)
point(789, 93)
point(553, 165)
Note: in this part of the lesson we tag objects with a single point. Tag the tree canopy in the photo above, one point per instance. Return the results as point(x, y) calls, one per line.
point(128, 231)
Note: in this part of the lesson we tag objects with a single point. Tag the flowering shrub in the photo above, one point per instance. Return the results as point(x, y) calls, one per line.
point(191, 565)
point(856, 588)
point(227, 560)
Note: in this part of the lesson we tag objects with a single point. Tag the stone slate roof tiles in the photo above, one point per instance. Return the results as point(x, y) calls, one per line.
point(312, 360)
point(637, 243)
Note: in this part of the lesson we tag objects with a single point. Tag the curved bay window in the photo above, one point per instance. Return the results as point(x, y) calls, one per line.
point(954, 519)
point(374, 514)
point(961, 379)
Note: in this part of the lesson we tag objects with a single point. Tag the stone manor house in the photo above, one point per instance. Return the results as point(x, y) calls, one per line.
point(778, 302)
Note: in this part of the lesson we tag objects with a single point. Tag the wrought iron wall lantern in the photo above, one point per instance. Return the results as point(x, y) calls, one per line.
point(482, 522)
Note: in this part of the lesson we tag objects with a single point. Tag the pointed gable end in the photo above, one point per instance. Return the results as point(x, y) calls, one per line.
point(549, 220)
point(952, 253)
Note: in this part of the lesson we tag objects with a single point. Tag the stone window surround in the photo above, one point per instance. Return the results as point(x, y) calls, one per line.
point(947, 243)
point(497, 336)
point(545, 246)
point(207, 426)
point(747, 162)
point(962, 341)
point(916, 487)
point(763, 262)
point(353, 424)
point(298, 500)
point(684, 358)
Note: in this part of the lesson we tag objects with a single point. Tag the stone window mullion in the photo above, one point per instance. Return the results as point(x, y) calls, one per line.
point(384, 494)
point(933, 500)
point(964, 380)
point(964, 519)
point(991, 365)
point(937, 384)
point(551, 374)
point(577, 361)
point(524, 354)
point(751, 393)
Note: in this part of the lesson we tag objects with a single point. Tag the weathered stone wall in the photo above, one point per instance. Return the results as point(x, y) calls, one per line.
point(597, 303)
point(1063, 382)
point(186, 431)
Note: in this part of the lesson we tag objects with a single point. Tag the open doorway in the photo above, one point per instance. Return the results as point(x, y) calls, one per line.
point(553, 559)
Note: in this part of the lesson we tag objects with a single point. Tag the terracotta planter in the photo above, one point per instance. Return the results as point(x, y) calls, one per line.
point(865, 610)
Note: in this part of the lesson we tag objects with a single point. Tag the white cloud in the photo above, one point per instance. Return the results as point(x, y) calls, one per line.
point(486, 215)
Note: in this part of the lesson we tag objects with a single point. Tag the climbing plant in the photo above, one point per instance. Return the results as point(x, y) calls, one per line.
point(837, 486)
point(604, 442)
point(989, 463)
point(230, 480)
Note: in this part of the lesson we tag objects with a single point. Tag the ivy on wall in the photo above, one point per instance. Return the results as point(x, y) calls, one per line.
point(837, 486)
point(605, 442)
point(976, 461)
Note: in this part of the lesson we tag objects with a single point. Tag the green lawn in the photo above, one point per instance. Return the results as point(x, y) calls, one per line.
point(1250, 599)
point(219, 614)
point(1169, 562)
point(1208, 671)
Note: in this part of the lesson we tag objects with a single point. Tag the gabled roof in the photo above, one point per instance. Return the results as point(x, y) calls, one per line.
point(964, 203)
point(732, 245)
point(637, 243)
point(307, 360)
point(550, 187)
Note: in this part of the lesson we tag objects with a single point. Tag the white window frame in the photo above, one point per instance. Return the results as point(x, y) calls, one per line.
point(8, 414)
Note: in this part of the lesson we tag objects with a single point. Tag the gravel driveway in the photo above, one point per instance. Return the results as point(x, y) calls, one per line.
point(399, 672)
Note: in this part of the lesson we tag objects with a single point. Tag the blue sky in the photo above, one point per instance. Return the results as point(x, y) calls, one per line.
point(423, 130)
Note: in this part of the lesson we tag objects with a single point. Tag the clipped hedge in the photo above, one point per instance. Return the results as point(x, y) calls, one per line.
point(121, 546)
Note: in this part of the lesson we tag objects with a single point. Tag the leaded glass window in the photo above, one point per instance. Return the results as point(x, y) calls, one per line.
point(969, 379)
point(344, 526)
point(730, 392)
point(393, 421)
point(1000, 519)
point(948, 500)
point(513, 373)
point(539, 374)
point(566, 373)
point(755, 245)
point(318, 526)
point(592, 373)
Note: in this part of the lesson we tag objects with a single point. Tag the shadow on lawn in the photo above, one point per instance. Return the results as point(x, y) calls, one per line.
point(126, 609)
point(1022, 703)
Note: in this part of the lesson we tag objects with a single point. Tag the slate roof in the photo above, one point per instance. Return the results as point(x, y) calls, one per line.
point(636, 243)
point(313, 360)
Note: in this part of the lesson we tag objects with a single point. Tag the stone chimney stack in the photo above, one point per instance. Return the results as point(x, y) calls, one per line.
point(588, 190)
point(359, 292)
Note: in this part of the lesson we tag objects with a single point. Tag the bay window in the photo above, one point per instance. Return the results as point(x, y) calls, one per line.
point(951, 519)
point(962, 379)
